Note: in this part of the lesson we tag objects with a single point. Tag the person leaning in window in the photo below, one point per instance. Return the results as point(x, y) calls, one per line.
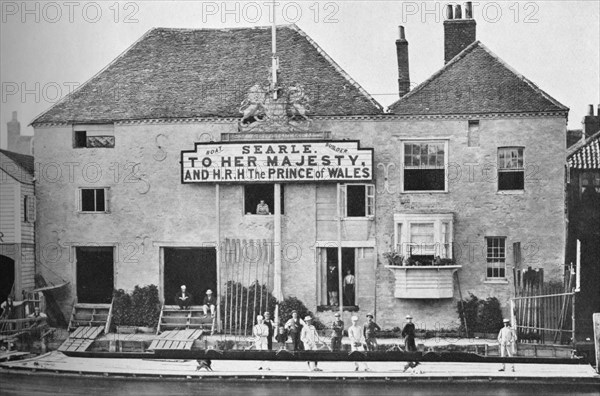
point(294, 327)
point(370, 332)
point(183, 298)
point(408, 332)
point(209, 302)
point(262, 208)
point(337, 333)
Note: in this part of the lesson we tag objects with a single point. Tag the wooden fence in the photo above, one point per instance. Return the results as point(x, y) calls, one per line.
point(545, 314)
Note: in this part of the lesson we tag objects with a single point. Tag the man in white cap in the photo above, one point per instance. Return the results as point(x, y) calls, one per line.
point(309, 338)
point(507, 338)
point(183, 298)
point(355, 333)
point(209, 302)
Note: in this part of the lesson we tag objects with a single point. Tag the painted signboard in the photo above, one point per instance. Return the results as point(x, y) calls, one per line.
point(277, 162)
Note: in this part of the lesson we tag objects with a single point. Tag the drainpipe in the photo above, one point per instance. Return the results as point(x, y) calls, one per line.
point(277, 244)
point(218, 247)
point(339, 240)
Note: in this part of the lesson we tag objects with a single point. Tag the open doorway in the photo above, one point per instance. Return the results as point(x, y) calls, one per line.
point(194, 267)
point(95, 274)
point(348, 289)
point(7, 280)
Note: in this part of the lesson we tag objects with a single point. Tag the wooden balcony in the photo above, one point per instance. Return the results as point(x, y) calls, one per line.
point(422, 282)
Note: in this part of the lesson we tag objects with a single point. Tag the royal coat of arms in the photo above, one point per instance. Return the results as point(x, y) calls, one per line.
point(269, 108)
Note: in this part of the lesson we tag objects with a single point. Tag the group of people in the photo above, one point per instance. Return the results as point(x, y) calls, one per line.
point(333, 286)
point(304, 336)
point(184, 300)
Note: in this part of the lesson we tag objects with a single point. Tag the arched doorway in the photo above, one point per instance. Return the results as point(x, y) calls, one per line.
point(7, 269)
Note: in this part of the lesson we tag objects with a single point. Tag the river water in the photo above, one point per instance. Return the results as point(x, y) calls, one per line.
point(34, 384)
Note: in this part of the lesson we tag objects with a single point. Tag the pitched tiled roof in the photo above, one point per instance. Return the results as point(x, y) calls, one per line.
point(18, 166)
point(586, 155)
point(187, 73)
point(476, 81)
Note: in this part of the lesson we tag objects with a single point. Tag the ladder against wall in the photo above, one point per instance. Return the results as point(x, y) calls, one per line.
point(97, 315)
point(174, 318)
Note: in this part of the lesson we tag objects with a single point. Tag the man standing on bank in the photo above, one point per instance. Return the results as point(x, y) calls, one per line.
point(209, 302)
point(294, 327)
point(337, 333)
point(271, 325)
point(260, 332)
point(310, 337)
point(183, 298)
point(356, 335)
point(408, 333)
point(507, 338)
point(370, 330)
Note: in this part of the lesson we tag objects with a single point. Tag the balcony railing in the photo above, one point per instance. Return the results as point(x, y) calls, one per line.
point(422, 277)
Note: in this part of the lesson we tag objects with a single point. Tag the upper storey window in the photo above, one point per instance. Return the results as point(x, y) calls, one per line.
point(425, 165)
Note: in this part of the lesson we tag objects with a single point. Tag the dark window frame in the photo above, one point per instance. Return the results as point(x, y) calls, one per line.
point(495, 257)
point(79, 139)
point(424, 172)
point(511, 168)
point(252, 196)
point(361, 203)
point(99, 202)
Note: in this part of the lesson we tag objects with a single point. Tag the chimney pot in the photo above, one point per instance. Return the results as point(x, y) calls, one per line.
point(449, 13)
point(590, 110)
point(457, 12)
point(14, 116)
point(469, 10)
point(459, 33)
point(401, 33)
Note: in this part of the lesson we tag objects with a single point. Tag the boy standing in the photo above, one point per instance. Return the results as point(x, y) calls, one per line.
point(336, 336)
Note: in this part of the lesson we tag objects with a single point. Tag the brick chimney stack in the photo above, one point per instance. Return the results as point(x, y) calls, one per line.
point(13, 128)
point(459, 33)
point(402, 54)
point(590, 123)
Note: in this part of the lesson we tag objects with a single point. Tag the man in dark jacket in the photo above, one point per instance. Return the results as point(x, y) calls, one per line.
point(408, 332)
point(183, 298)
point(370, 330)
point(294, 327)
point(271, 325)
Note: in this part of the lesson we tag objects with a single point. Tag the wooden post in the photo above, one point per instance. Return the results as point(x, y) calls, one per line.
point(596, 320)
point(573, 317)
point(513, 318)
point(339, 238)
point(218, 247)
point(277, 291)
